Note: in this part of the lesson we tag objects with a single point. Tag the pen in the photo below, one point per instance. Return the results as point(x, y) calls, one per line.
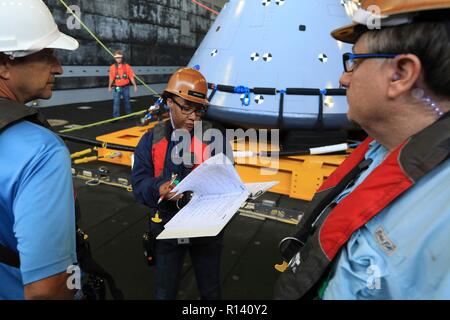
point(172, 183)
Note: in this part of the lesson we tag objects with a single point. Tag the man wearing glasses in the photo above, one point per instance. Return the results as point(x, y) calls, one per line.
point(379, 226)
point(159, 162)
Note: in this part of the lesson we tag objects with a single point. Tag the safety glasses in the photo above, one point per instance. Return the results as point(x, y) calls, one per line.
point(188, 110)
point(349, 58)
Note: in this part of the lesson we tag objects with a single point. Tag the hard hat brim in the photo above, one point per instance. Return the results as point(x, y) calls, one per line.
point(186, 97)
point(64, 42)
point(390, 10)
point(347, 34)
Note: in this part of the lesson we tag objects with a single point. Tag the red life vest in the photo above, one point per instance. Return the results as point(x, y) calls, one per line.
point(160, 144)
point(317, 247)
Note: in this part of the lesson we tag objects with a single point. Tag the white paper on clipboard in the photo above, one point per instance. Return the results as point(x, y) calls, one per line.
point(218, 193)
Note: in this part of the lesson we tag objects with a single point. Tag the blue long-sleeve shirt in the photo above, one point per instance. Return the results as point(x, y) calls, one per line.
point(145, 185)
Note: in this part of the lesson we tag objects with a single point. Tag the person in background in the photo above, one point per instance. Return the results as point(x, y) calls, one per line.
point(120, 76)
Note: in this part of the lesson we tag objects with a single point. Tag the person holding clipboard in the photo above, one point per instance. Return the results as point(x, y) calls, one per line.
point(156, 171)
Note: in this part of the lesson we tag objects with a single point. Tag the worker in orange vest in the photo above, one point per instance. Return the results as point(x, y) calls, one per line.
point(120, 76)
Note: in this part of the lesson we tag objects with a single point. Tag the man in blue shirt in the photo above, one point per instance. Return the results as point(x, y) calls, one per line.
point(379, 225)
point(37, 218)
point(400, 253)
point(413, 260)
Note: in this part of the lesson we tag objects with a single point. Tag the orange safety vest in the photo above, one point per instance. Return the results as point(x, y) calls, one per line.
point(160, 143)
point(121, 75)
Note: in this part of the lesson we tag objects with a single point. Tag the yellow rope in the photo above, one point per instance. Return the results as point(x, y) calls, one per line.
point(103, 122)
point(102, 44)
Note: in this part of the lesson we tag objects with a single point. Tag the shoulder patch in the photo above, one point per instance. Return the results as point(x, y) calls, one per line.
point(384, 242)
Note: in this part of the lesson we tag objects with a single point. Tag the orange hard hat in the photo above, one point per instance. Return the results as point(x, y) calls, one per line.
point(189, 84)
point(390, 13)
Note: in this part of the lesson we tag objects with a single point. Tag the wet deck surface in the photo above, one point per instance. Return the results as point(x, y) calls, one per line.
point(115, 223)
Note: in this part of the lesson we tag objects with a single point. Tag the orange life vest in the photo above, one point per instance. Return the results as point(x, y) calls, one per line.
point(121, 75)
point(198, 148)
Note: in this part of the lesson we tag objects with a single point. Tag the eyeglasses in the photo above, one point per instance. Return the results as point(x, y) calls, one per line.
point(187, 111)
point(349, 59)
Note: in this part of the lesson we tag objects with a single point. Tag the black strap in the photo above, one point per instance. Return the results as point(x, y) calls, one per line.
point(213, 93)
point(320, 126)
point(90, 266)
point(339, 188)
point(305, 230)
point(281, 111)
point(95, 143)
point(117, 74)
point(9, 257)
point(87, 262)
point(12, 112)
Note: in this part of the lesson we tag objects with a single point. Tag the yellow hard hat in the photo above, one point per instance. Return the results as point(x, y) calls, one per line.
point(389, 12)
point(189, 84)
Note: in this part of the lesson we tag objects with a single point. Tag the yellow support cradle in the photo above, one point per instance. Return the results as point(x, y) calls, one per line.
point(299, 176)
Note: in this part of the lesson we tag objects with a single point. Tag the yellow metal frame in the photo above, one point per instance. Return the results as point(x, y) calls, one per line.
point(127, 137)
point(299, 176)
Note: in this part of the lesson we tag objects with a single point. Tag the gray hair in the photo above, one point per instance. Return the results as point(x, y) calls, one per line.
point(429, 41)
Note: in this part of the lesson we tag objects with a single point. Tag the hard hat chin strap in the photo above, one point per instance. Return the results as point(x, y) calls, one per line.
point(171, 118)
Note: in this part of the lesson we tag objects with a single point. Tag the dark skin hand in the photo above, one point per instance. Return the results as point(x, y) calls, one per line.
point(164, 190)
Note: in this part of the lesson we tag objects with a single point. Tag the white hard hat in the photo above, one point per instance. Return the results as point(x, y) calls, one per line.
point(118, 54)
point(27, 27)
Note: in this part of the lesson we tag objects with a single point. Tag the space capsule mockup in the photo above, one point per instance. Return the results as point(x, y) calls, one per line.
point(273, 64)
